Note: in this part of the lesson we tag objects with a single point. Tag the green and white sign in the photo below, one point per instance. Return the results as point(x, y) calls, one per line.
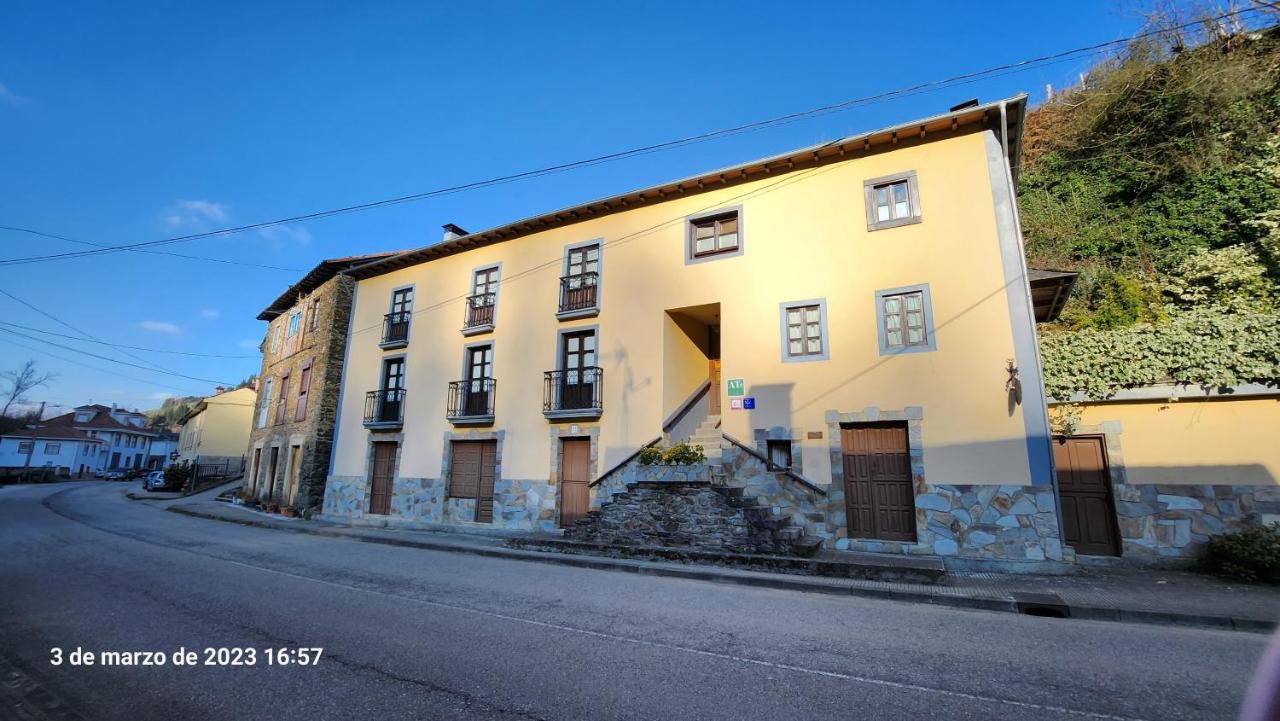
point(736, 386)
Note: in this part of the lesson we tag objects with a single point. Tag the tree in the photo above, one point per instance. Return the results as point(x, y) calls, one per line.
point(22, 381)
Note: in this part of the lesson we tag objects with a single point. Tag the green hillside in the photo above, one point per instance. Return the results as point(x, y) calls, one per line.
point(1158, 179)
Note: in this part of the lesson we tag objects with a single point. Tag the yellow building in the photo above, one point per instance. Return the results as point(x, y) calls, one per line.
point(216, 430)
point(847, 329)
point(1152, 473)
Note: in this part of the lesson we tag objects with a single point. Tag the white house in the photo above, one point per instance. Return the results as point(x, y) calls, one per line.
point(103, 439)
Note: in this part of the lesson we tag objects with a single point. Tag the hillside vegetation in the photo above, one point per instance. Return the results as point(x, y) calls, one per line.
point(1158, 179)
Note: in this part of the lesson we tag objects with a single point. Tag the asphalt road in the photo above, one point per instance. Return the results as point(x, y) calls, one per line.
point(413, 634)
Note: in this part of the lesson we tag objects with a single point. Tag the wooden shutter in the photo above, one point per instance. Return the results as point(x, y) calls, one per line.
point(488, 474)
point(304, 388)
point(282, 398)
point(464, 473)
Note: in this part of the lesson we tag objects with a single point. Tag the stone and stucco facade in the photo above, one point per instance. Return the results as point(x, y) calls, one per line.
point(291, 434)
point(699, 281)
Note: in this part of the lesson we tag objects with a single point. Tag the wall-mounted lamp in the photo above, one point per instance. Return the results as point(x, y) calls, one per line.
point(1013, 386)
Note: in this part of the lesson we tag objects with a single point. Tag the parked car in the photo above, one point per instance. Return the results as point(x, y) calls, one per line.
point(113, 476)
point(133, 473)
point(156, 481)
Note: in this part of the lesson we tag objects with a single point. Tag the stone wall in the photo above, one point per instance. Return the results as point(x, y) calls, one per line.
point(789, 498)
point(1161, 522)
point(324, 348)
point(518, 504)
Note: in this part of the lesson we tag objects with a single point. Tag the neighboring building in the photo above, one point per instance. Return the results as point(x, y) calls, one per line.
point(858, 313)
point(292, 435)
point(164, 449)
point(215, 430)
point(1152, 473)
point(90, 439)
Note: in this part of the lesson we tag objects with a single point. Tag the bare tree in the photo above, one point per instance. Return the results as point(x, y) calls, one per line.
point(20, 382)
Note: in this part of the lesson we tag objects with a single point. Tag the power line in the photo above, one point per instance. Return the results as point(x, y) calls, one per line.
point(65, 324)
point(54, 236)
point(113, 360)
point(93, 368)
point(689, 140)
point(122, 345)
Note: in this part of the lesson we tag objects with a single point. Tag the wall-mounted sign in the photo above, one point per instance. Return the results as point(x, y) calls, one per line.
point(749, 403)
point(736, 387)
point(735, 404)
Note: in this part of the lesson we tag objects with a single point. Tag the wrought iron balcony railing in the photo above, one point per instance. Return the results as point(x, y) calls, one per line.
point(384, 407)
point(471, 400)
point(395, 328)
point(578, 292)
point(480, 310)
point(575, 392)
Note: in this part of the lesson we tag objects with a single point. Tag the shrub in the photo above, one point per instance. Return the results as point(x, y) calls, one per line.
point(649, 455)
point(177, 475)
point(683, 454)
point(1249, 555)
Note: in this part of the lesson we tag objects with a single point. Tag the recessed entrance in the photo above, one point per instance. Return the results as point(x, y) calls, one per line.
point(878, 493)
point(691, 357)
point(1084, 492)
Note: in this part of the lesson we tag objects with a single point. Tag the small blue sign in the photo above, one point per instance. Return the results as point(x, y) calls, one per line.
point(749, 403)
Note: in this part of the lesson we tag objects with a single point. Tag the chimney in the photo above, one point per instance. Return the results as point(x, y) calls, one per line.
point(453, 232)
point(218, 391)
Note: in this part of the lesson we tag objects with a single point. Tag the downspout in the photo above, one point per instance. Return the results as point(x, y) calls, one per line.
point(1022, 254)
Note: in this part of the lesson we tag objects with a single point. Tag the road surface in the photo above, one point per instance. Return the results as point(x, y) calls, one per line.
point(414, 634)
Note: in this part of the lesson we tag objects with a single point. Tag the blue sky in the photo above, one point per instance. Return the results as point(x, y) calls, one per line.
point(127, 122)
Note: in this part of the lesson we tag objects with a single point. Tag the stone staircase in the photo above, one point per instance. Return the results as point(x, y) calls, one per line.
point(708, 436)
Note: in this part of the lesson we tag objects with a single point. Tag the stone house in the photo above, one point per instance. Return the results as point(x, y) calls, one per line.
point(291, 431)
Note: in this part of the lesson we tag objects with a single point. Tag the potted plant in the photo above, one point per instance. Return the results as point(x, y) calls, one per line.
point(287, 511)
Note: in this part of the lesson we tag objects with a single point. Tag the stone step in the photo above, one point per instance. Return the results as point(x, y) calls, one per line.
point(806, 547)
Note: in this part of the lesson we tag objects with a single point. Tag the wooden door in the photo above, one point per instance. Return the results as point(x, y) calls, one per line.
point(488, 474)
point(384, 469)
point(575, 480)
point(713, 374)
point(878, 492)
point(295, 458)
point(271, 473)
point(1084, 492)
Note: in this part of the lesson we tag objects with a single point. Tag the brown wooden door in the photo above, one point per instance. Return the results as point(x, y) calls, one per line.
point(575, 480)
point(713, 374)
point(1084, 490)
point(295, 460)
point(384, 468)
point(878, 493)
point(474, 469)
point(271, 474)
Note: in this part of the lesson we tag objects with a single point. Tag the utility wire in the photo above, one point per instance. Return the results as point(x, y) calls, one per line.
point(703, 137)
point(113, 360)
point(245, 263)
point(122, 345)
point(82, 333)
point(93, 368)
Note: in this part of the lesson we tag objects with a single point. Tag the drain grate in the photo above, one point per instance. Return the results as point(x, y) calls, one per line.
point(1043, 605)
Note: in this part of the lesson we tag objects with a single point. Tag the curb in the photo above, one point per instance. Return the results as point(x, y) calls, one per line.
point(1008, 603)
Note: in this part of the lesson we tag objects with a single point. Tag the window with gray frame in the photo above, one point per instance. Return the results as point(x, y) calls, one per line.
point(52, 449)
point(804, 330)
point(892, 201)
point(713, 235)
point(904, 320)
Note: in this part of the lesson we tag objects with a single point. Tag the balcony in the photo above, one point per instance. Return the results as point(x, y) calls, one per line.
point(395, 330)
point(384, 409)
point(471, 402)
point(480, 312)
point(573, 394)
point(578, 297)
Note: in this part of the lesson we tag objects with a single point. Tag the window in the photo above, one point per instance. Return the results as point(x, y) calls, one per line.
point(393, 374)
point(275, 339)
point(304, 387)
point(295, 323)
point(779, 453)
point(26, 446)
point(892, 201)
point(578, 286)
point(282, 399)
point(715, 234)
point(402, 301)
point(804, 330)
point(904, 320)
point(484, 295)
point(265, 403)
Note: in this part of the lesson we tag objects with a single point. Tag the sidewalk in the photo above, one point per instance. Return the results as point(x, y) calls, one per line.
point(1135, 596)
